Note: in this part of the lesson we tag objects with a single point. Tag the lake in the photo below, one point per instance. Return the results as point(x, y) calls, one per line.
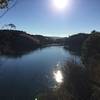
point(25, 76)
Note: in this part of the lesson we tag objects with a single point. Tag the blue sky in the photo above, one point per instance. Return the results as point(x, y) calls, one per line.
point(39, 17)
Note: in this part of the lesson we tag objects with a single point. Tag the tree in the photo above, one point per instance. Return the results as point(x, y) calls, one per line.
point(91, 48)
point(94, 31)
point(75, 42)
point(9, 26)
point(91, 56)
point(6, 5)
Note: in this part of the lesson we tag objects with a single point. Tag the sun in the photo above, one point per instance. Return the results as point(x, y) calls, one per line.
point(61, 4)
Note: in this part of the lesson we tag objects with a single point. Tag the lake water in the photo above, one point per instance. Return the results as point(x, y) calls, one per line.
point(27, 75)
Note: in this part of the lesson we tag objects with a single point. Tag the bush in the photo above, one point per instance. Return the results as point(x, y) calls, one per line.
point(76, 80)
point(91, 59)
point(91, 55)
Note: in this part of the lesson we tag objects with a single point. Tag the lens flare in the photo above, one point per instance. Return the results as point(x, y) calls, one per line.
point(61, 4)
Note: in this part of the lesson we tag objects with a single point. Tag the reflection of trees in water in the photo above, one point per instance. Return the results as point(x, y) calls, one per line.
point(42, 82)
point(2, 61)
point(17, 54)
point(37, 83)
point(16, 98)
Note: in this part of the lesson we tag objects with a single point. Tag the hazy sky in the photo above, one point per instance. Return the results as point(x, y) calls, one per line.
point(40, 17)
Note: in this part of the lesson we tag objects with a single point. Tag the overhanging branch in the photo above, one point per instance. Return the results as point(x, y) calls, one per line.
point(8, 8)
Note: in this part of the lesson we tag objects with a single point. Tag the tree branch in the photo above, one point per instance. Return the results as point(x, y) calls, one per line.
point(8, 9)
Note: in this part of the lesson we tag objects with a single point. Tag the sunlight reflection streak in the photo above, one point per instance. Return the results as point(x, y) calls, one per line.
point(58, 76)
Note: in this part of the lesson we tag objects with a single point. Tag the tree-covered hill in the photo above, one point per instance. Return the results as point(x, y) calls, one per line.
point(76, 41)
point(14, 41)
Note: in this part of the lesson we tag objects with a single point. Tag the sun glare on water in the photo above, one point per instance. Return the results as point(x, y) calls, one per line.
point(58, 76)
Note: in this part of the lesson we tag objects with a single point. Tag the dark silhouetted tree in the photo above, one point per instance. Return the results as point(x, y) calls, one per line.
point(12, 26)
point(6, 5)
point(91, 59)
point(9, 26)
point(93, 31)
point(75, 42)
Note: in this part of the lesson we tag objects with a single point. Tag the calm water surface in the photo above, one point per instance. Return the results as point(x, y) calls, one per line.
point(31, 73)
